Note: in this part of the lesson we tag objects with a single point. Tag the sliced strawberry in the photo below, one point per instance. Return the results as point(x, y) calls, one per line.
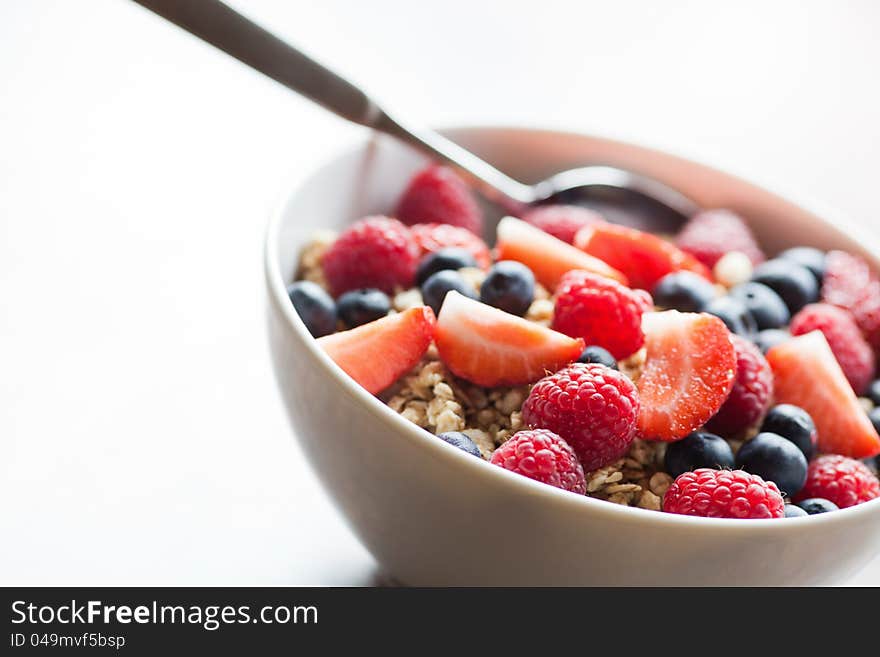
point(642, 257)
point(689, 371)
point(548, 257)
point(806, 374)
point(490, 347)
point(378, 353)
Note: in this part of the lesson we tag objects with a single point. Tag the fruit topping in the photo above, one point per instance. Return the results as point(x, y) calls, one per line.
point(794, 424)
point(433, 237)
point(314, 307)
point(510, 286)
point(852, 352)
point(374, 252)
point(751, 393)
point(841, 480)
point(548, 258)
point(543, 456)
point(775, 459)
point(435, 289)
point(794, 284)
point(562, 221)
point(684, 291)
point(358, 307)
point(806, 374)
point(689, 370)
point(642, 257)
point(723, 494)
point(377, 354)
point(437, 194)
point(699, 449)
point(601, 311)
point(711, 234)
point(490, 347)
point(596, 354)
point(590, 406)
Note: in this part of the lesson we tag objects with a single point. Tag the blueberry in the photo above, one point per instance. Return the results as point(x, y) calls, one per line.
point(594, 354)
point(510, 286)
point(807, 256)
point(684, 291)
point(769, 338)
point(874, 416)
point(362, 306)
point(873, 392)
point(792, 423)
point(435, 288)
point(314, 306)
point(450, 257)
point(699, 449)
point(794, 511)
point(767, 307)
point(773, 458)
point(794, 283)
point(734, 314)
point(461, 440)
point(816, 505)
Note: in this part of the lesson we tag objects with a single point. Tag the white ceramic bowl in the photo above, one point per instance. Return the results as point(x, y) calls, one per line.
point(433, 515)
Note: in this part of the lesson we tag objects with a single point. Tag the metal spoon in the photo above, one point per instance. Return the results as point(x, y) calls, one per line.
point(621, 195)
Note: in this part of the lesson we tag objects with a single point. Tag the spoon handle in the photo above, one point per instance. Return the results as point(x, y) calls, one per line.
point(226, 29)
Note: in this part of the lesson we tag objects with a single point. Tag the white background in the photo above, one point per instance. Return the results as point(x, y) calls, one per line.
point(142, 439)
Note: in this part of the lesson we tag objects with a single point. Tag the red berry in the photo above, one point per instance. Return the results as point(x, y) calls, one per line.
point(690, 367)
point(751, 392)
point(548, 257)
point(373, 252)
point(852, 352)
point(490, 347)
point(642, 257)
point(723, 494)
point(601, 311)
point(593, 408)
point(438, 195)
point(543, 456)
point(431, 237)
point(376, 354)
point(562, 221)
point(850, 283)
point(806, 374)
point(843, 480)
point(712, 233)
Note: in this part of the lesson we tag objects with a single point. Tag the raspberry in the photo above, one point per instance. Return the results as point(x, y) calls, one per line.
point(593, 408)
point(751, 392)
point(712, 233)
point(543, 456)
point(723, 494)
point(601, 311)
point(437, 194)
point(852, 352)
point(840, 479)
point(374, 252)
point(562, 221)
point(431, 237)
point(850, 284)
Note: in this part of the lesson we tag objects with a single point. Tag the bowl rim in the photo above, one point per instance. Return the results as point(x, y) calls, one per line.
point(439, 449)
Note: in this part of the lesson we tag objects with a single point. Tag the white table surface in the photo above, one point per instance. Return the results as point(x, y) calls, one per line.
point(142, 439)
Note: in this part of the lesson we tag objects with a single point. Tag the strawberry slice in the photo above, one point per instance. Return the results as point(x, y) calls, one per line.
point(642, 257)
point(806, 374)
point(490, 347)
point(548, 257)
point(689, 371)
point(378, 353)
